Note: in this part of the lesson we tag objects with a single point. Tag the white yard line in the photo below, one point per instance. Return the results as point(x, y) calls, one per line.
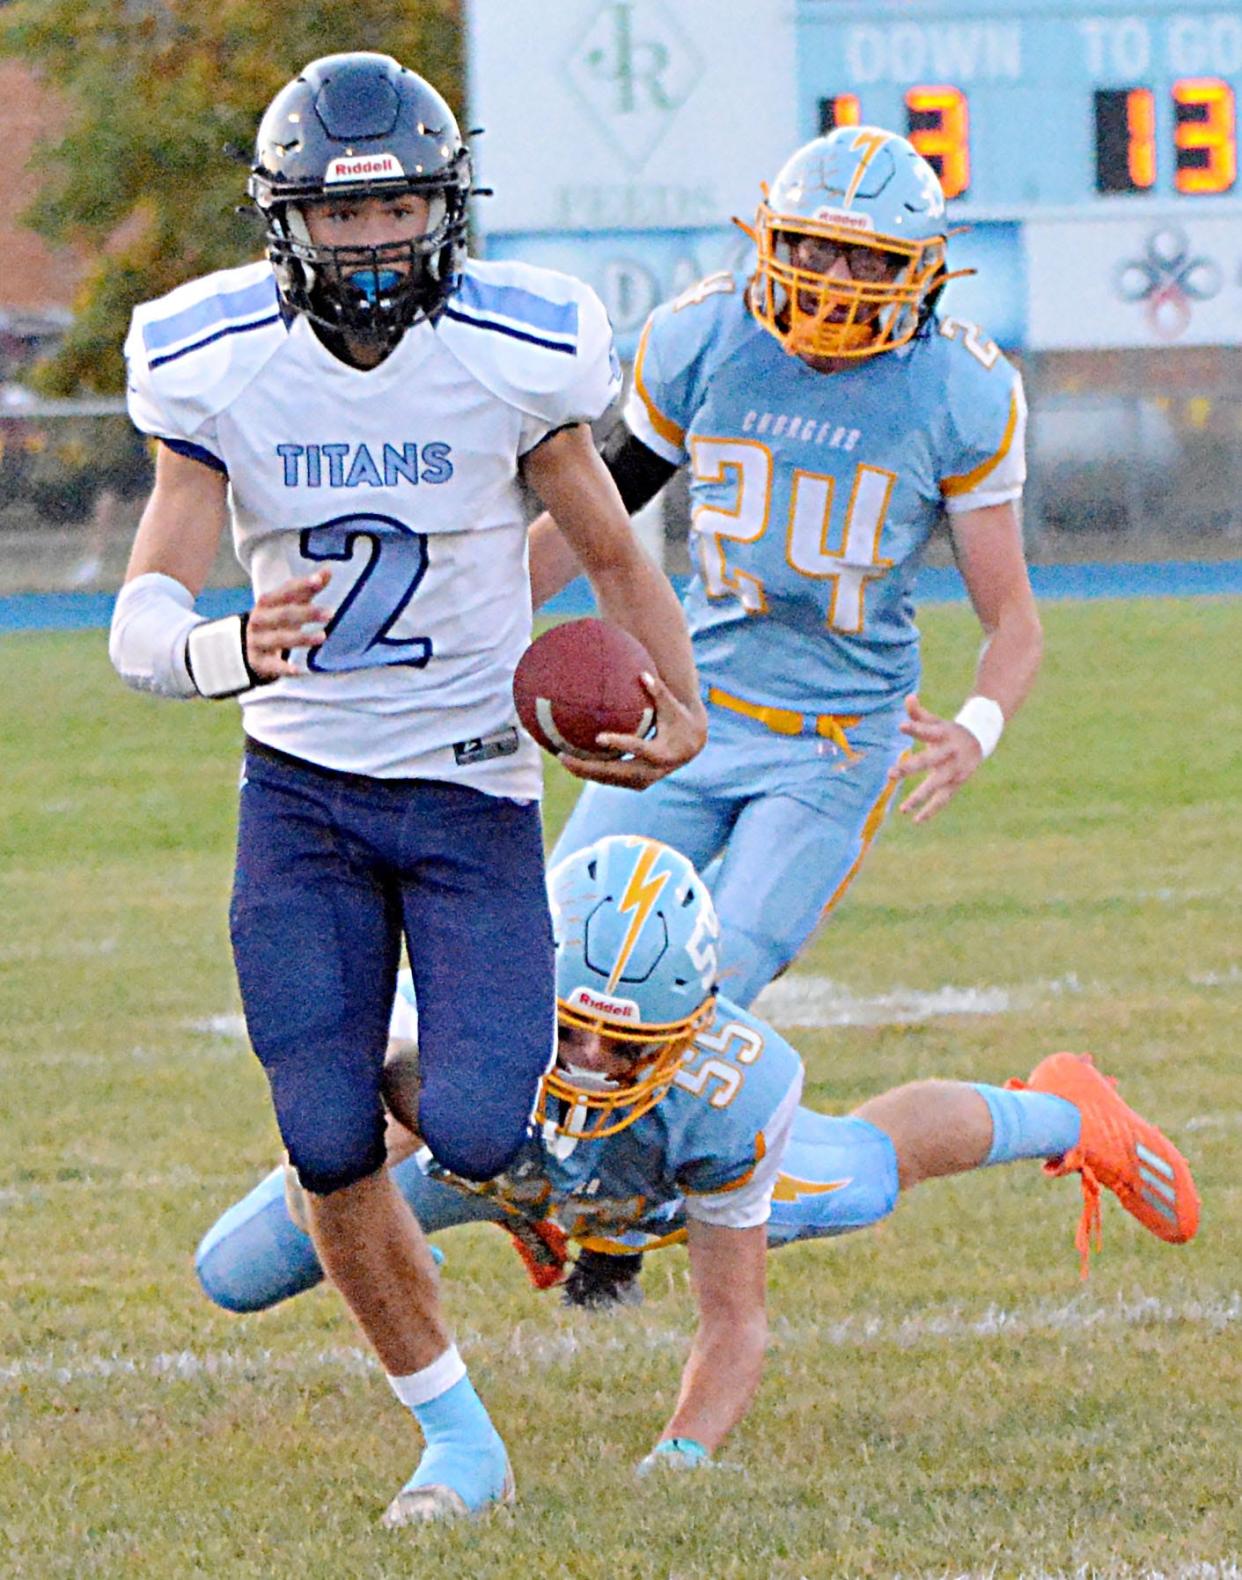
point(803, 999)
point(1229, 978)
point(566, 1339)
point(185, 1365)
point(800, 1000)
point(221, 1026)
point(1226, 1569)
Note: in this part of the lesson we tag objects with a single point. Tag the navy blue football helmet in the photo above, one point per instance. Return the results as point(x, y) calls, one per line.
point(362, 125)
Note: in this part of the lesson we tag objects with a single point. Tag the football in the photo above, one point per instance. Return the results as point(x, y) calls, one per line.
point(579, 679)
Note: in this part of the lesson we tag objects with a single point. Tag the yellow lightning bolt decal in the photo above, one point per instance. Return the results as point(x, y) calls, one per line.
point(788, 1188)
point(641, 893)
point(872, 142)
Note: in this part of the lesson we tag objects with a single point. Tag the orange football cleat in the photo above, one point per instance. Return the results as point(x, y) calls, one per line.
point(1119, 1149)
point(543, 1247)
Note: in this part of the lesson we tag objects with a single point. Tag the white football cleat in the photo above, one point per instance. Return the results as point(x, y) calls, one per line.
point(436, 1501)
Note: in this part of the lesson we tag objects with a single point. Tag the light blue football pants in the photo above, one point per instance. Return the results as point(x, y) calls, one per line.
point(786, 820)
point(839, 1174)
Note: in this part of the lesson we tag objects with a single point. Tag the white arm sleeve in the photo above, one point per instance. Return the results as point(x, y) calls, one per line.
point(750, 1204)
point(151, 622)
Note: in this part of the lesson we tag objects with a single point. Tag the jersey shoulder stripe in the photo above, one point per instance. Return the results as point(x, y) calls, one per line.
point(203, 322)
point(966, 481)
point(192, 353)
point(539, 340)
point(682, 345)
point(672, 433)
point(981, 418)
point(512, 310)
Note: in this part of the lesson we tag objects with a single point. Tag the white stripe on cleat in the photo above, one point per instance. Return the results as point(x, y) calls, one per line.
point(1153, 1161)
point(1162, 1207)
point(1157, 1184)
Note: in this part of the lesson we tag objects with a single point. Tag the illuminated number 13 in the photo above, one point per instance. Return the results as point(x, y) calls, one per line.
point(848, 555)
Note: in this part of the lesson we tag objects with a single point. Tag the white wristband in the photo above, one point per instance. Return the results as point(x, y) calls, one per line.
point(985, 721)
point(216, 657)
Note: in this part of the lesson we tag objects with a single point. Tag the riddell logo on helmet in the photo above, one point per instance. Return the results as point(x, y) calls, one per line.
point(364, 167)
point(846, 218)
point(600, 1004)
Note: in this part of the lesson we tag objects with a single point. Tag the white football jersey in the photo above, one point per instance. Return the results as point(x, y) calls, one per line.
point(402, 480)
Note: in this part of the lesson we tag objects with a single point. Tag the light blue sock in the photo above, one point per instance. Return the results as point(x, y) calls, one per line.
point(464, 1450)
point(1028, 1124)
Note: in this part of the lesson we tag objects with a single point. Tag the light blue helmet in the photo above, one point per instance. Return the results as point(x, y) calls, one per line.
point(866, 195)
point(636, 959)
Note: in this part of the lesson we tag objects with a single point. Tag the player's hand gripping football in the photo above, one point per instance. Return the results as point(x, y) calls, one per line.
point(278, 622)
point(678, 736)
point(950, 755)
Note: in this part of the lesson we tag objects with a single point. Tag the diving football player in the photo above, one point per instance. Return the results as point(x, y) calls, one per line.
point(672, 1115)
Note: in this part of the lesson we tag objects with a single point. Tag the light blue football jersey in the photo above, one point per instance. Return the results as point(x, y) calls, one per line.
point(710, 1149)
point(813, 495)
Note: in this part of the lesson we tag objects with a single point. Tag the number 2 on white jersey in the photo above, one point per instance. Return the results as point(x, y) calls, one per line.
point(848, 556)
point(357, 636)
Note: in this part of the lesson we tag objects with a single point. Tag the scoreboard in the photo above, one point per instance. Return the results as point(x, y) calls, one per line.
point(1089, 148)
point(1025, 108)
point(1203, 154)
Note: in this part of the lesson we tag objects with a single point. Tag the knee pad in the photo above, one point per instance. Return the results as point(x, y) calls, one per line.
point(472, 1158)
point(323, 1170)
point(332, 1122)
point(750, 961)
point(476, 1143)
point(839, 1173)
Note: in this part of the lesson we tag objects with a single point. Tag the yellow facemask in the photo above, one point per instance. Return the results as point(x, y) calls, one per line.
point(593, 1106)
point(814, 315)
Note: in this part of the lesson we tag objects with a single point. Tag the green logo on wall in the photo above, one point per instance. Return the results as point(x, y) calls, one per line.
point(634, 68)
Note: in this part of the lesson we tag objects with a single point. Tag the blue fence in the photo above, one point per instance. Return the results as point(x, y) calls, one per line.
point(68, 611)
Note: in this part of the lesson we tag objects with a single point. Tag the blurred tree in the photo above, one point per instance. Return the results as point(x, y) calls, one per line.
point(153, 91)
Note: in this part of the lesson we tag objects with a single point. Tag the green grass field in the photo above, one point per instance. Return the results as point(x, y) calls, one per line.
point(943, 1396)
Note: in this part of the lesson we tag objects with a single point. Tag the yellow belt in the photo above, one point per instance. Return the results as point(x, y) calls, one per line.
point(784, 721)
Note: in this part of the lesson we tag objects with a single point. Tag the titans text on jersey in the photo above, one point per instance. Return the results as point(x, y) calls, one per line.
point(343, 465)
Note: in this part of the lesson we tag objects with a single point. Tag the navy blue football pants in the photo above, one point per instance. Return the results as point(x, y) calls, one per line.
point(332, 868)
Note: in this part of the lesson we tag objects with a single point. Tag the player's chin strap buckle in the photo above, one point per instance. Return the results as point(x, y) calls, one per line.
point(215, 655)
